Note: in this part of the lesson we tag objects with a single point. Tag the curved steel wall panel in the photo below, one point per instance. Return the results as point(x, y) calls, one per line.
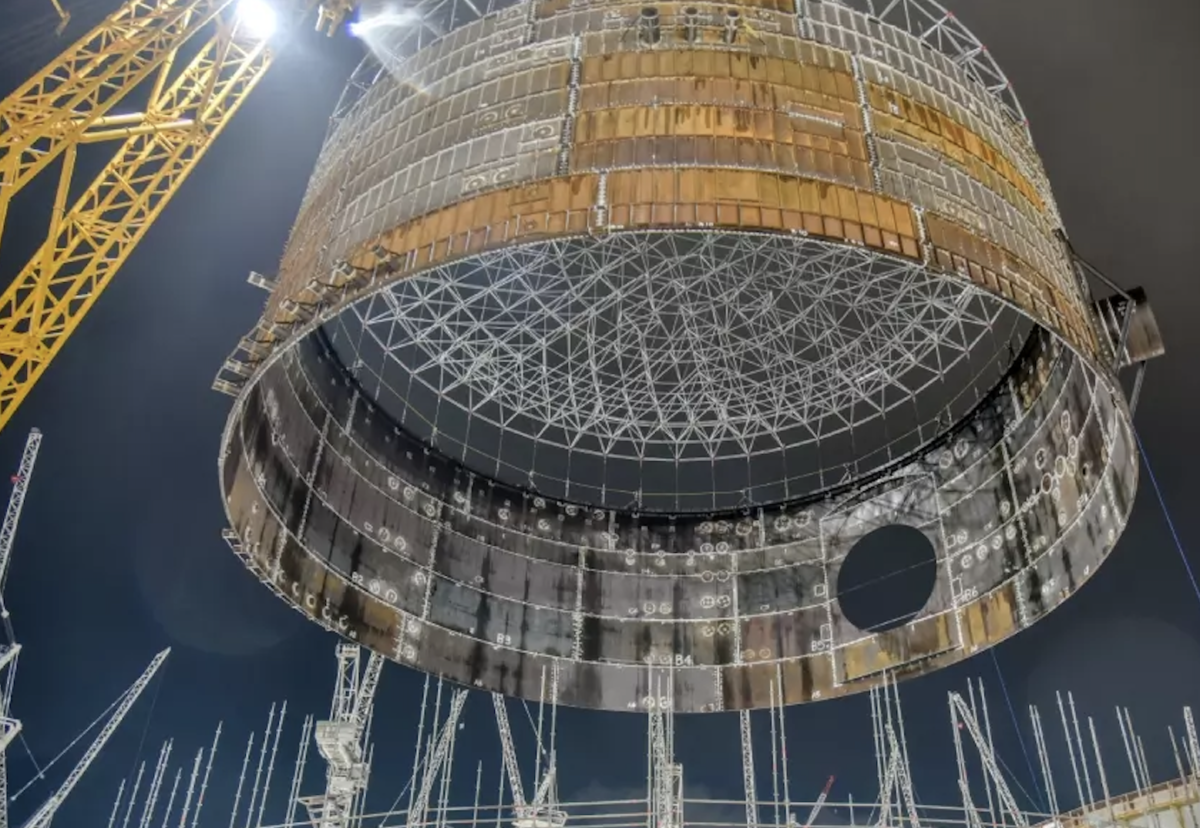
point(555, 131)
point(1021, 510)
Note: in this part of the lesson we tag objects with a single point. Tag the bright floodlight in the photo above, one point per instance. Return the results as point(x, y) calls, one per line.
point(256, 17)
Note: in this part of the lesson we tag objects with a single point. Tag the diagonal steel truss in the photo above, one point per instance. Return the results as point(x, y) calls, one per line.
point(91, 239)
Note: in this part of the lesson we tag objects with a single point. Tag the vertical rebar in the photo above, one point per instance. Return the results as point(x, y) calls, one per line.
point(262, 758)
point(876, 718)
point(963, 789)
point(1187, 784)
point(1062, 714)
point(191, 788)
point(212, 752)
point(783, 754)
point(537, 760)
point(271, 765)
point(447, 769)
point(500, 795)
point(553, 758)
point(1039, 738)
point(1130, 751)
point(900, 724)
point(112, 820)
point(650, 758)
point(1100, 769)
point(164, 756)
point(298, 769)
point(987, 778)
point(1141, 750)
point(774, 754)
point(137, 783)
point(478, 784)
point(1192, 777)
point(1087, 776)
point(171, 798)
point(237, 797)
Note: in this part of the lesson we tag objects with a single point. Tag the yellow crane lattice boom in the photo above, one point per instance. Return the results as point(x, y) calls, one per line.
point(66, 105)
point(53, 109)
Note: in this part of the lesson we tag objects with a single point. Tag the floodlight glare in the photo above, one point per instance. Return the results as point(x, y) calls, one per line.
point(388, 18)
point(257, 18)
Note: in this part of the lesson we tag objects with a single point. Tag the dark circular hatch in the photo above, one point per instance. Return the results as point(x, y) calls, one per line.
point(887, 578)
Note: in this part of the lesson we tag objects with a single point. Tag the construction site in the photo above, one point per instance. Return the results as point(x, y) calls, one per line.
point(676, 362)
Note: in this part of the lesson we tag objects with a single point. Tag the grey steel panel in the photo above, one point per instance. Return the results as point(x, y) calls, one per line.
point(517, 604)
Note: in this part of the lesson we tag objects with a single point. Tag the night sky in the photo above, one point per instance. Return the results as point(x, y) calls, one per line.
point(119, 552)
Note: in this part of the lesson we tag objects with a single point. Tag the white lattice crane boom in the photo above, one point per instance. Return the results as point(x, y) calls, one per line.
point(540, 813)
point(16, 501)
point(819, 804)
point(10, 727)
point(340, 739)
point(437, 757)
point(509, 752)
point(44, 814)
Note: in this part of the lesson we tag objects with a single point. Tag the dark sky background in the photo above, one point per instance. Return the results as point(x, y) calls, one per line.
point(119, 552)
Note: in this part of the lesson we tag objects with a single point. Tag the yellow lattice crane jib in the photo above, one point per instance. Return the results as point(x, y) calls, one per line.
point(68, 103)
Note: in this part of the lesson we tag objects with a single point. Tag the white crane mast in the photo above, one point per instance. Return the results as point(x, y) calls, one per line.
point(666, 775)
point(748, 768)
point(340, 739)
point(508, 752)
point(10, 727)
point(541, 812)
point(16, 501)
point(437, 757)
point(44, 814)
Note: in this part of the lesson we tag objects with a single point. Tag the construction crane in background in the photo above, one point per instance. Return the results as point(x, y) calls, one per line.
point(818, 805)
point(70, 103)
point(10, 727)
point(341, 739)
point(43, 816)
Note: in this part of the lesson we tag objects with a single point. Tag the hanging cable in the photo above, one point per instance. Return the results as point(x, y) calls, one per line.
point(1167, 514)
point(1040, 802)
point(29, 751)
point(41, 771)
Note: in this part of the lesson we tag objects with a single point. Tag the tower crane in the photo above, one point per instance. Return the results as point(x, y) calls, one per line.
point(70, 103)
point(10, 727)
point(340, 739)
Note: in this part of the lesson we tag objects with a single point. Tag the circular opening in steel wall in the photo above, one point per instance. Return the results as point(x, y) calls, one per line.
point(887, 578)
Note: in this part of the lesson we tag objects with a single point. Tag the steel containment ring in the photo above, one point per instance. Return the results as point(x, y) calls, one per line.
point(606, 330)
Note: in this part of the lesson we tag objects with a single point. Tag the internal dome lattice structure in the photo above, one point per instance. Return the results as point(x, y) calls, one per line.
point(606, 330)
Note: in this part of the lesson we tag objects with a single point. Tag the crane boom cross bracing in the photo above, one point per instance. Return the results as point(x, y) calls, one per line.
point(53, 109)
point(68, 104)
point(90, 242)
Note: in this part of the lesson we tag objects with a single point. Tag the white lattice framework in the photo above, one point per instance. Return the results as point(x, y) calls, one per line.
point(340, 738)
point(674, 346)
